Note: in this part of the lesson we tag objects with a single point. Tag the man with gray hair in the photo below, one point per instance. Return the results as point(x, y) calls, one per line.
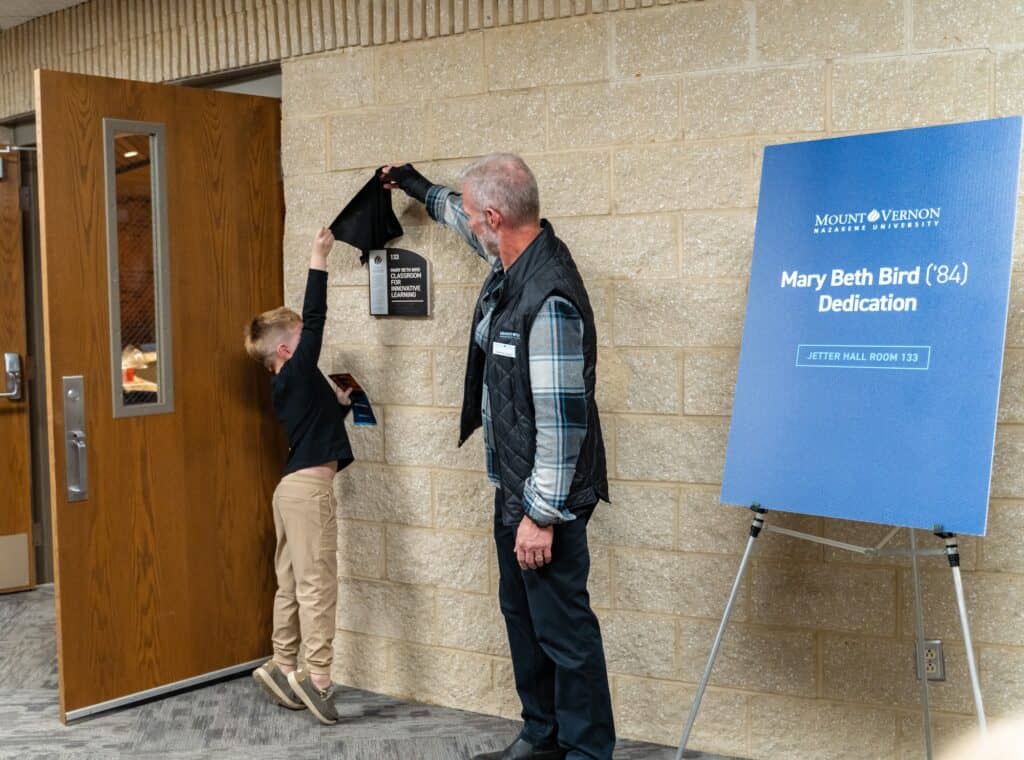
point(530, 380)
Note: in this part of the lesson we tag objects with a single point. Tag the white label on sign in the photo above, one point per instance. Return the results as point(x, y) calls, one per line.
point(504, 349)
point(378, 284)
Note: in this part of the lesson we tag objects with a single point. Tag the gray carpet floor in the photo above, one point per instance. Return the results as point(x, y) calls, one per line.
point(231, 720)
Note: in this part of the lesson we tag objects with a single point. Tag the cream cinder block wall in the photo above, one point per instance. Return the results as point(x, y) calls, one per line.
point(645, 130)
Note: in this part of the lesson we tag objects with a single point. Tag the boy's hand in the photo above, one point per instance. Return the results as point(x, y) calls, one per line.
point(344, 396)
point(322, 244)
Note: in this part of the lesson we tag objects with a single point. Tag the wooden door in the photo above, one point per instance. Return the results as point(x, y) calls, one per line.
point(17, 563)
point(163, 536)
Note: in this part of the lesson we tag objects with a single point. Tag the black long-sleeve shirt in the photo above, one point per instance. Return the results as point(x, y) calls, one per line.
point(304, 401)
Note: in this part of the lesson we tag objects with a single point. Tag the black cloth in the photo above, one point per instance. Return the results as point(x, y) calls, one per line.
point(555, 642)
point(543, 270)
point(304, 401)
point(368, 222)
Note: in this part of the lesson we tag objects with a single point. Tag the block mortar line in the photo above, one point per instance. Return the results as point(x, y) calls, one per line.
point(433, 499)
point(739, 68)
point(690, 346)
point(477, 595)
point(681, 354)
point(810, 701)
point(752, 53)
point(734, 690)
point(840, 60)
point(384, 524)
point(676, 527)
point(610, 25)
point(991, 84)
point(435, 634)
point(829, 72)
point(457, 532)
point(748, 717)
point(688, 483)
point(611, 565)
point(679, 217)
point(374, 74)
point(682, 554)
point(356, 576)
point(659, 415)
point(547, 118)
point(438, 648)
point(908, 25)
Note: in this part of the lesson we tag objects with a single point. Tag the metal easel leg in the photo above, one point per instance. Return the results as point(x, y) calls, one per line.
point(755, 530)
point(953, 555)
point(919, 625)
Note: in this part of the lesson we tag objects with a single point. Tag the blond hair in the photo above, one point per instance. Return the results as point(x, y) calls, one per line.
point(264, 334)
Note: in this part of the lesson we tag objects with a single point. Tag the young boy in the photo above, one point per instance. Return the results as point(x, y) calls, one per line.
point(312, 413)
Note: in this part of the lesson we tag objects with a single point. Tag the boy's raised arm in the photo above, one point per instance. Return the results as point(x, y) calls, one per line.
point(314, 306)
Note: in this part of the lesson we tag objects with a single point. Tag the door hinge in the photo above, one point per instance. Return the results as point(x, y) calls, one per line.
point(26, 198)
point(37, 534)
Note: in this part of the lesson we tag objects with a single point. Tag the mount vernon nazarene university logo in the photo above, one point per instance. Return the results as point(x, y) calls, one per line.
point(877, 220)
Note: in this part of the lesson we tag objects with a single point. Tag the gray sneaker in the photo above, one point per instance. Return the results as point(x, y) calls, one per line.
point(320, 703)
point(275, 683)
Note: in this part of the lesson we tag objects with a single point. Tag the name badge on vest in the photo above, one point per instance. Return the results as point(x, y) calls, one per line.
point(504, 349)
point(507, 345)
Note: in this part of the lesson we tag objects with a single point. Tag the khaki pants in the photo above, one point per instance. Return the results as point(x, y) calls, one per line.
point(307, 571)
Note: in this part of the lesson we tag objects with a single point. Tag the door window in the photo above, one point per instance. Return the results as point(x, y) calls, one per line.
point(140, 343)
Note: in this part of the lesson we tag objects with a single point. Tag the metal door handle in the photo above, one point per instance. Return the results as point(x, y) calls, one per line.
point(78, 473)
point(76, 468)
point(12, 373)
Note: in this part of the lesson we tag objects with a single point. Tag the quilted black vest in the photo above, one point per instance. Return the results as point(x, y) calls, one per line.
point(544, 269)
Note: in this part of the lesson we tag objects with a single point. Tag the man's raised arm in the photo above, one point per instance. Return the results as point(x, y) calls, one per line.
point(443, 204)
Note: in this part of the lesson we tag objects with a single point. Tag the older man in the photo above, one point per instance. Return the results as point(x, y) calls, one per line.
point(530, 381)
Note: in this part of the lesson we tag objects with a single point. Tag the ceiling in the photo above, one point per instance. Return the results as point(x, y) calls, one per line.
point(15, 12)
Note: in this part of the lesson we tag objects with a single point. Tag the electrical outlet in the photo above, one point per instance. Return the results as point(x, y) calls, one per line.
point(934, 660)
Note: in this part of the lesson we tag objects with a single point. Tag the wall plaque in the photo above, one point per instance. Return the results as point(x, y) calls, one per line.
point(399, 283)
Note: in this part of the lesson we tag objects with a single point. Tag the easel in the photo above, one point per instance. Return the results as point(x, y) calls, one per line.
point(952, 553)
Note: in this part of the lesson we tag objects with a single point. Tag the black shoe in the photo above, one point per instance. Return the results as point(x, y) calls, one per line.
point(521, 749)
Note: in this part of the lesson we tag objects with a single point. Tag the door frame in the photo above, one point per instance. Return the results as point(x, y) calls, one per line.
point(17, 422)
point(42, 516)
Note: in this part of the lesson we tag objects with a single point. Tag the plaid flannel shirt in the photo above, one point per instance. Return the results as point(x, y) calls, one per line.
point(556, 378)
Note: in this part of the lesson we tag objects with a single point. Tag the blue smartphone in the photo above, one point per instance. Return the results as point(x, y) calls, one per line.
point(362, 412)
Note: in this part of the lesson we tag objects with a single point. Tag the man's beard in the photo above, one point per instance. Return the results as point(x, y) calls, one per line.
point(489, 240)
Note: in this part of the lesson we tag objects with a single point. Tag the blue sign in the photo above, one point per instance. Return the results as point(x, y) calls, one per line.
point(872, 351)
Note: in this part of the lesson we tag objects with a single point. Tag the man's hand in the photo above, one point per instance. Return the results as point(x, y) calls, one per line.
point(344, 396)
point(386, 179)
point(406, 178)
point(322, 244)
point(533, 544)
